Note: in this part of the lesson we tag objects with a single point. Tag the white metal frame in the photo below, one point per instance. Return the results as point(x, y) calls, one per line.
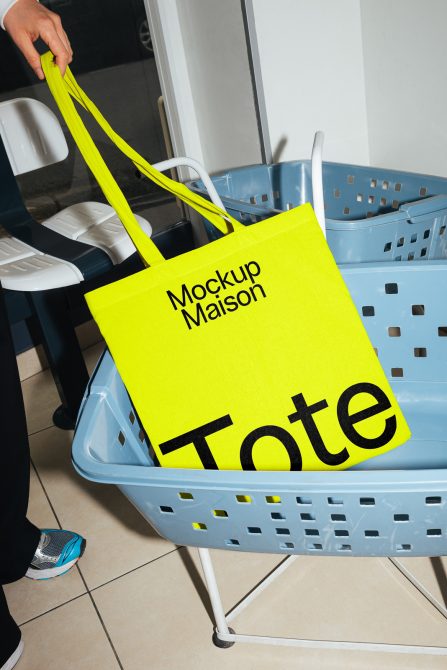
point(224, 633)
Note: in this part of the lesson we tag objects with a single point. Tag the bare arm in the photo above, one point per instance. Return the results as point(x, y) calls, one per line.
point(26, 21)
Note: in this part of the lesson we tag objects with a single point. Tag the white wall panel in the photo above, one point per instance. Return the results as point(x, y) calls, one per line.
point(311, 59)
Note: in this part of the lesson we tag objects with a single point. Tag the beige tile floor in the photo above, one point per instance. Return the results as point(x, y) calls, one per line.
point(137, 602)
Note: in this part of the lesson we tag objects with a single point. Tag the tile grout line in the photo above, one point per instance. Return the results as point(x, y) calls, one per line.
point(42, 430)
point(81, 576)
point(92, 600)
point(138, 567)
point(52, 609)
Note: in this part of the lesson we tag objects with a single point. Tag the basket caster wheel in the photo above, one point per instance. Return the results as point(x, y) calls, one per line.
point(63, 419)
point(222, 644)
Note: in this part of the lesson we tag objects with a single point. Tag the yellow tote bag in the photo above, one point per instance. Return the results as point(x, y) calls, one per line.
point(247, 353)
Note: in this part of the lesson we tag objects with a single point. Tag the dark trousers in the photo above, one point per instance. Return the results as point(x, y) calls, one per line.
point(18, 536)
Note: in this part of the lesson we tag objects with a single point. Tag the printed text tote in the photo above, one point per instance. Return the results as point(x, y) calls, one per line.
point(244, 353)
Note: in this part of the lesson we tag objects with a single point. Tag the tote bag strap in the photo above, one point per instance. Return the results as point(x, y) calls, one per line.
point(63, 90)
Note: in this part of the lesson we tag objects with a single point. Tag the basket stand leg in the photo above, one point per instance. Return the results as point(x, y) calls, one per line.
point(418, 585)
point(226, 637)
point(223, 636)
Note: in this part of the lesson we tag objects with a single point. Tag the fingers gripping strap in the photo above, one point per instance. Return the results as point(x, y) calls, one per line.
point(65, 88)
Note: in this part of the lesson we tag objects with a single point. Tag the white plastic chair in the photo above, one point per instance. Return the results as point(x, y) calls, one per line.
point(82, 242)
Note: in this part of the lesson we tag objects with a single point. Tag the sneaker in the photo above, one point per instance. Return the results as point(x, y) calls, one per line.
point(57, 552)
point(12, 660)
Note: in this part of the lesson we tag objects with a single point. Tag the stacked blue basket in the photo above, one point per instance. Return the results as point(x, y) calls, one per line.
point(392, 505)
point(372, 214)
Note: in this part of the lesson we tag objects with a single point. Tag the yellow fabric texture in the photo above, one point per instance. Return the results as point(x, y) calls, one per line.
point(246, 353)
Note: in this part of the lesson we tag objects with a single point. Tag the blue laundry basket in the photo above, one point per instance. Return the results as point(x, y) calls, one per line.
point(391, 505)
point(372, 214)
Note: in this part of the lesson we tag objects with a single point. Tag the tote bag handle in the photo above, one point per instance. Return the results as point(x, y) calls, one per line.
point(63, 90)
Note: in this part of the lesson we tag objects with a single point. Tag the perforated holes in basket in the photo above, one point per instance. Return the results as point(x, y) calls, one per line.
point(418, 310)
point(346, 210)
point(391, 288)
point(433, 500)
point(397, 372)
point(254, 530)
point(277, 516)
point(385, 185)
point(401, 518)
point(383, 202)
point(121, 439)
point(387, 247)
point(244, 499)
point(367, 502)
point(394, 331)
point(368, 310)
point(165, 509)
point(185, 495)
point(423, 191)
point(336, 192)
point(397, 187)
point(442, 231)
point(199, 525)
point(373, 183)
point(420, 352)
point(350, 179)
point(282, 531)
point(442, 331)
point(306, 516)
point(220, 514)
point(334, 501)
point(359, 197)
point(131, 417)
point(273, 500)
point(286, 545)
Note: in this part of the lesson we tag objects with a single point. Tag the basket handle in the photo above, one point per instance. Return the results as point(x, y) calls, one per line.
point(63, 90)
point(184, 161)
point(317, 179)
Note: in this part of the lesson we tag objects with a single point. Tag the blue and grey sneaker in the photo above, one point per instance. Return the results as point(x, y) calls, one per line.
point(57, 552)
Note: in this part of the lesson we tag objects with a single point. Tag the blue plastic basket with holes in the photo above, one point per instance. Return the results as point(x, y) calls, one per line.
point(372, 214)
point(391, 505)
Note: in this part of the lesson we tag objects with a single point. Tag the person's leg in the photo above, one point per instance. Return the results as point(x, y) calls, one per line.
point(10, 637)
point(18, 537)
